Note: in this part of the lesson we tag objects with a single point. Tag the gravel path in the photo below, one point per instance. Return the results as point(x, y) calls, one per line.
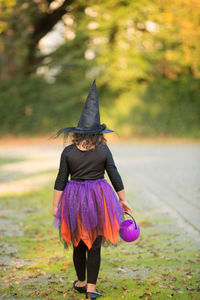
point(169, 173)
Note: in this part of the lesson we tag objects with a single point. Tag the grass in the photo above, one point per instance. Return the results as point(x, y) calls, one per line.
point(161, 264)
point(8, 160)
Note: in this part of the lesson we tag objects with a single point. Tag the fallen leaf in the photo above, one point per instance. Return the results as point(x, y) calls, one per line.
point(14, 270)
point(190, 288)
point(155, 233)
point(191, 261)
point(162, 286)
point(25, 278)
point(155, 255)
point(43, 273)
point(175, 288)
point(121, 270)
point(66, 264)
point(170, 295)
point(173, 278)
point(153, 283)
point(6, 281)
point(165, 275)
point(146, 295)
point(125, 290)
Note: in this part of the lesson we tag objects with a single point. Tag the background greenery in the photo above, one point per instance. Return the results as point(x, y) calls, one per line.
point(144, 55)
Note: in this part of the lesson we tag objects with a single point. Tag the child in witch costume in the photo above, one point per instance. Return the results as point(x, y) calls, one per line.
point(86, 208)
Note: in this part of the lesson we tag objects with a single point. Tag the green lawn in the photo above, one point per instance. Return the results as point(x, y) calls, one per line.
point(8, 160)
point(161, 264)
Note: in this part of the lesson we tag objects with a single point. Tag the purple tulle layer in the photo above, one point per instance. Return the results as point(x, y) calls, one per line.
point(88, 200)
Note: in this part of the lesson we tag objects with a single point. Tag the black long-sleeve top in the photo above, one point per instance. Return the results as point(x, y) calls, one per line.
point(87, 165)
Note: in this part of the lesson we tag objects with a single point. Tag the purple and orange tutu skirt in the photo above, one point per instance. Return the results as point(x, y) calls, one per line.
point(88, 209)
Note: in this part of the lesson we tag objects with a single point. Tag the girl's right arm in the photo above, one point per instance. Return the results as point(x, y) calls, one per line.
point(116, 180)
point(56, 199)
point(60, 182)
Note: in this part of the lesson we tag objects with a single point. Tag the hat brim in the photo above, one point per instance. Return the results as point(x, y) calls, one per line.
point(84, 131)
point(80, 130)
point(107, 130)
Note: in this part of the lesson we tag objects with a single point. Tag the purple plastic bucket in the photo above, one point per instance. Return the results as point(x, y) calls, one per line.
point(129, 230)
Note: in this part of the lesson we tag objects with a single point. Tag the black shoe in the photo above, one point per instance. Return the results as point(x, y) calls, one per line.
point(91, 295)
point(80, 289)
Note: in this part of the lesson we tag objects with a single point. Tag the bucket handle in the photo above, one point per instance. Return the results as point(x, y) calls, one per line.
point(132, 218)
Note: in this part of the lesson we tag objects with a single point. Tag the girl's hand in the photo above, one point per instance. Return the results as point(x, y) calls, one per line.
point(54, 211)
point(125, 207)
point(122, 200)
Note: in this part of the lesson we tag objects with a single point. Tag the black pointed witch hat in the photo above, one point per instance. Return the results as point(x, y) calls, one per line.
point(89, 122)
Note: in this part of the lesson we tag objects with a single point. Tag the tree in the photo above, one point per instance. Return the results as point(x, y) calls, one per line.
point(24, 24)
point(143, 53)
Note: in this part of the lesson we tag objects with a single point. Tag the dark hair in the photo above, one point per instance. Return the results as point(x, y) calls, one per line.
point(89, 140)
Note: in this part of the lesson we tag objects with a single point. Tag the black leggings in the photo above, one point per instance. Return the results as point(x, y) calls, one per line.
point(92, 263)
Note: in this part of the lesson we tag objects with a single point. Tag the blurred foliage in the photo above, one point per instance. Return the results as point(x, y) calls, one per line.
point(144, 55)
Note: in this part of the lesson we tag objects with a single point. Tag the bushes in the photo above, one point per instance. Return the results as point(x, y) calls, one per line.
point(32, 106)
point(171, 107)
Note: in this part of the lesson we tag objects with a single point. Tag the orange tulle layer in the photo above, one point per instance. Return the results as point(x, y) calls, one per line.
point(109, 231)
